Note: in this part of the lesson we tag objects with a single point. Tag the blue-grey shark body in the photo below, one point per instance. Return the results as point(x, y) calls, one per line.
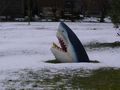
point(71, 49)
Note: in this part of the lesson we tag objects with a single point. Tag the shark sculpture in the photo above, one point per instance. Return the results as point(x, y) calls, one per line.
point(70, 48)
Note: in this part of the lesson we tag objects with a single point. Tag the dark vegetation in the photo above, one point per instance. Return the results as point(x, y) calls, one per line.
point(115, 13)
point(103, 45)
point(35, 10)
point(61, 10)
point(101, 79)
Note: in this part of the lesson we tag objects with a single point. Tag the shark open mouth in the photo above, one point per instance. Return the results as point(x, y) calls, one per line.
point(62, 46)
point(69, 49)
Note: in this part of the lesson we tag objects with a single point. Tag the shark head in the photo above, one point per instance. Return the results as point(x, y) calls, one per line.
point(70, 48)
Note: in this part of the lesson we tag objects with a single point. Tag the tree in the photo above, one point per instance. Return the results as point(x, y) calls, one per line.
point(115, 13)
point(29, 11)
point(104, 7)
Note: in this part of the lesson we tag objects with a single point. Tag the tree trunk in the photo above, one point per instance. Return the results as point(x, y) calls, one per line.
point(29, 12)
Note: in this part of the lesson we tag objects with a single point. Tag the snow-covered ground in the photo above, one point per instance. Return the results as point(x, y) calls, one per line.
point(28, 47)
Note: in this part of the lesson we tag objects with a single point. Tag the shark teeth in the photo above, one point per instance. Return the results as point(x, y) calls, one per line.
point(62, 44)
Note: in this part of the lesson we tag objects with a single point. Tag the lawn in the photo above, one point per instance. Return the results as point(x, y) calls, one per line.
point(25, 49)
point(100, 79)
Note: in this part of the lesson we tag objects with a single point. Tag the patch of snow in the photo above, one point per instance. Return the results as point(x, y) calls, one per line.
point(23, 46)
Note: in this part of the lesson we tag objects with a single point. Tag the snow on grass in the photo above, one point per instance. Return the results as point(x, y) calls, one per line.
point(24, 46)
point(28, 47)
